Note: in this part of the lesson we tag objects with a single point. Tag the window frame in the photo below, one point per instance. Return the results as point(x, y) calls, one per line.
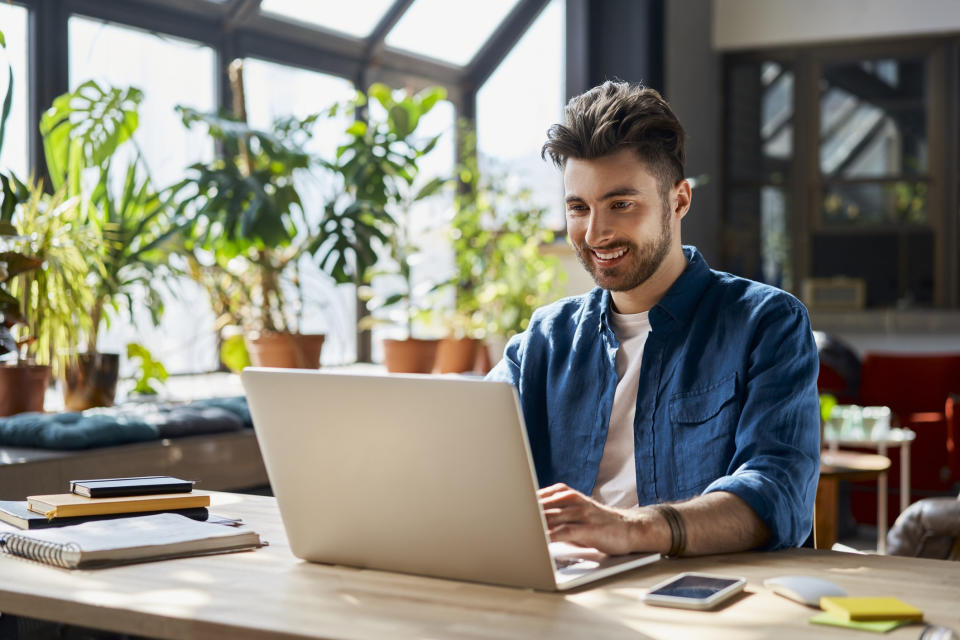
point(805, 185)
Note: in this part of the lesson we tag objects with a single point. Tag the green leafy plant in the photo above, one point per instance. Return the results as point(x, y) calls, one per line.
point(84, 132)
point(56, 296)
point(380, 170)
point(149, 369)
point(501, 274)
point(247, 221)
point(12, 263)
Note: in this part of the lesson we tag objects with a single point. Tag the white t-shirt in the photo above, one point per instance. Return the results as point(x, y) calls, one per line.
point(616, 484)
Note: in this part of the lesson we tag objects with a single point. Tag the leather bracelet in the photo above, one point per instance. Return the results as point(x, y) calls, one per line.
point(678, 533)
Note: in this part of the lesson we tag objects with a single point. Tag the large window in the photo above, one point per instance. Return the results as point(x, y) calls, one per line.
point(170, 72)
point(13, 155)
point(515, 108)
point(832, 158)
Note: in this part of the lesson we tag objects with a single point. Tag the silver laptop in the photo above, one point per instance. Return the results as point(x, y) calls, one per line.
point(418, 474)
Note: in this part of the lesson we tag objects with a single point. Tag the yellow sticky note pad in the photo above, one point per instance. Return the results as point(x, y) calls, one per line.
point(880, 626)
point(867, 609)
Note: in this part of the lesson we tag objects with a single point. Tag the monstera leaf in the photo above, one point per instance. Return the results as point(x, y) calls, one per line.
point(84, 127)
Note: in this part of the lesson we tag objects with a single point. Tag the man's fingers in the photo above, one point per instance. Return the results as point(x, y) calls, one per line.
point(552, 489)
point(559, 516)
point(563, 498)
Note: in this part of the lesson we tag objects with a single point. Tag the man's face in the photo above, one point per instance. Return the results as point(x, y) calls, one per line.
point(619, 223)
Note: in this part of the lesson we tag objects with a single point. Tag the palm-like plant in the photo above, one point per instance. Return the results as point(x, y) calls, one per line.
point(57, 296)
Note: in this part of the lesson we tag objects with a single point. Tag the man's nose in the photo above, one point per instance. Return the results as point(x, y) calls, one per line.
point(598, 229)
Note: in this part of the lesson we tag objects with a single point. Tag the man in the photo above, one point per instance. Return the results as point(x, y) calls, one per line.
point(670, 384)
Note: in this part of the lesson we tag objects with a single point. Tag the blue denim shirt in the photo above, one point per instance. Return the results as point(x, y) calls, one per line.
point(727, 399)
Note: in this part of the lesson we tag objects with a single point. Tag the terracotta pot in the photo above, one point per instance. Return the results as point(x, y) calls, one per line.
point(410, 355)
point(91, 381)
point(22, 388)
point(456, 355)
point(285, 350)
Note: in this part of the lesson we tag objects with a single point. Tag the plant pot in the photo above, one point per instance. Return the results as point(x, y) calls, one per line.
point(285, 350)
point(91, 381)
point(456, 355)
point(22, 388)
point(410, 355)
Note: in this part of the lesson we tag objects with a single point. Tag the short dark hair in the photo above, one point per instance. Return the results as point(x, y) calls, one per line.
point(615, 116)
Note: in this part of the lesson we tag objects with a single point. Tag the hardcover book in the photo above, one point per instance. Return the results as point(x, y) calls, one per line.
point(16, 513)
point(142, 485)
point(65, 505)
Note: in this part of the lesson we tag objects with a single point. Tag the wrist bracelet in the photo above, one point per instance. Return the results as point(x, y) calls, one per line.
point(678, 533)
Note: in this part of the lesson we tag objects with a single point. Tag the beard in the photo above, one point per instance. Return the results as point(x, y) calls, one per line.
point(642, 261)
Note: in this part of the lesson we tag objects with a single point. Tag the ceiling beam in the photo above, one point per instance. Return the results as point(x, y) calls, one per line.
point(373, 44)
point(240, 11)
point(502, 41)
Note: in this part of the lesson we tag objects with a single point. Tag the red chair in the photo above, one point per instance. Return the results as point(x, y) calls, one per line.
point(917, 388)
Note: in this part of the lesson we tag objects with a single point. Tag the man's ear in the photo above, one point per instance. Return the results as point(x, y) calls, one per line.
point(682, 195)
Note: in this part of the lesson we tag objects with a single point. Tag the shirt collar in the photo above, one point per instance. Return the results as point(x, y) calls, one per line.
point(681, 298)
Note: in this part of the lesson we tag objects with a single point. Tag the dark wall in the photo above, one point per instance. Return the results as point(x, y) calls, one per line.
point(693, 86)
point(614, 39)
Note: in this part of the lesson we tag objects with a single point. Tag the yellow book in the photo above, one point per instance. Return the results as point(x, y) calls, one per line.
point(64, 505)
point(865, 609)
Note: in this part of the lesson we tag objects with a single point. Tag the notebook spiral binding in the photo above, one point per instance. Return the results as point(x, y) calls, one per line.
point(52, 553)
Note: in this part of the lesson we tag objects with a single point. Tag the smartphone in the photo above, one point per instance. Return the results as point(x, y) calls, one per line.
point(694, 591)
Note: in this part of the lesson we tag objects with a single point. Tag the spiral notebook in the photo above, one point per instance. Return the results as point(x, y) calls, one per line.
point(128, 540)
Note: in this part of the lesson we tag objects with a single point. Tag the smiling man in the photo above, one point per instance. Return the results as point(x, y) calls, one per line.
point(673, 408)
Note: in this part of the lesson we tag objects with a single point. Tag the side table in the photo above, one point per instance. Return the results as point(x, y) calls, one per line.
point(848, 465)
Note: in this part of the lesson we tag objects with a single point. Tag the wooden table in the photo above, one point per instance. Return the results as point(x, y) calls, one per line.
point(848, 465)
point(269, 593)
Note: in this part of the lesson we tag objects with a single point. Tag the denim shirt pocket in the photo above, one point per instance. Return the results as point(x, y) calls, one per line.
point(704, 425)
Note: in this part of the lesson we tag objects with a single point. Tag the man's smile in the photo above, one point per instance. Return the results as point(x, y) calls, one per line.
point(609, 257)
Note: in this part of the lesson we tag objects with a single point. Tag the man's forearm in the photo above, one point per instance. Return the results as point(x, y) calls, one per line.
point(718, 522)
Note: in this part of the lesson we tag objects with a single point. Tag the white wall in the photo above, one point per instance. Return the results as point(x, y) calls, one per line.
point(740, 24)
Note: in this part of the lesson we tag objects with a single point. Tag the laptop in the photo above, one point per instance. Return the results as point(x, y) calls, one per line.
point(417, 474)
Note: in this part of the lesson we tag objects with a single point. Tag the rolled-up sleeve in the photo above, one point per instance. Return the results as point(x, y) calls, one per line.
point(776, 465)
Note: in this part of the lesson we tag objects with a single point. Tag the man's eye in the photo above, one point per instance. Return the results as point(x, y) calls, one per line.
point(576, 207)
point(621, 204)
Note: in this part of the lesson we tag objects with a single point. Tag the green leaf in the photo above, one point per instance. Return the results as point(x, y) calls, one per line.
point(7, 104)
point(233, 353)
point(382, 94)
point(3, 40)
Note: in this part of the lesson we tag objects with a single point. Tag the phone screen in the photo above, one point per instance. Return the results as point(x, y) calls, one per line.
point(698, 587)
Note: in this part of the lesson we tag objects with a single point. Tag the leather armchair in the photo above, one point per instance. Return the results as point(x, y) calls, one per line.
point(929, 528)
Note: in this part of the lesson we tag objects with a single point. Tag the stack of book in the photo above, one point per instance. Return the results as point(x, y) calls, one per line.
point(104, 499)
point(150, 518)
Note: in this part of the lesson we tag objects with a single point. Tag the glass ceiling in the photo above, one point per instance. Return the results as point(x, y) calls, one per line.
point(452, 32)
point(448, 31)
point(356, 17)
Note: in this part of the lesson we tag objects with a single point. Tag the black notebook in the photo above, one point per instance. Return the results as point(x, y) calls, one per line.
point(125, 540)
point(15, 512)
point(139, 486)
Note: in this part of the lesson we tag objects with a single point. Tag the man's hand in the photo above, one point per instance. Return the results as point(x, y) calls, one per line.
point(573, 517)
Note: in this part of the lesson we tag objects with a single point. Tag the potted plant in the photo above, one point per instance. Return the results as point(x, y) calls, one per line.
point(248, 232)
point(84, 133)
point(22, 385)
point(501, 274)
point(379, 169)
point(55, 296)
